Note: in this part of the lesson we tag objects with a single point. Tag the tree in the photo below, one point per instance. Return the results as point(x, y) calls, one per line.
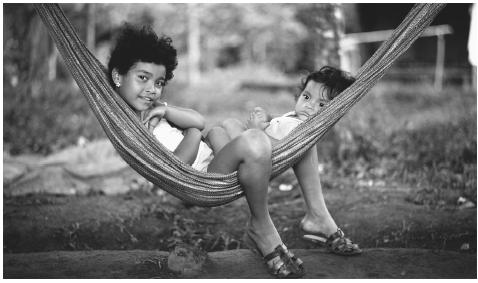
point(17, 25)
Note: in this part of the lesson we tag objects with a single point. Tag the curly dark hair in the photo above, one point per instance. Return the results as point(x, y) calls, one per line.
point(334, 80)
point(136, 44)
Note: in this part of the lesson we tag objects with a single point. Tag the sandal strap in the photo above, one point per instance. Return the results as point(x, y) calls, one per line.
point(337, 235)
point(283, 263)
point(296, 260)
point(275, 253)
point(339, 243)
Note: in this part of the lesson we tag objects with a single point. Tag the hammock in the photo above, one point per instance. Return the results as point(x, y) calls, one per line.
point(153, 161)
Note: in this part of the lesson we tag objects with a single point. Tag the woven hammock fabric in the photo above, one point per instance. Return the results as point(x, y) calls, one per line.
point(153, 161)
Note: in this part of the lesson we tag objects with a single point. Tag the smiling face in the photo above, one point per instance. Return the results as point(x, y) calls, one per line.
point(312, 99)
point(141, 85)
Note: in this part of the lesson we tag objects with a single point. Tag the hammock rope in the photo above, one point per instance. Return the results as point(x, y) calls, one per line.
point(153, 161)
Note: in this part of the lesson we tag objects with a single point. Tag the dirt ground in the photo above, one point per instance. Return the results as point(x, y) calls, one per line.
point(375, 216)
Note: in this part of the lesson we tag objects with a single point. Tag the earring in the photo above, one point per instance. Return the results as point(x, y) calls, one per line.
point(117, 80)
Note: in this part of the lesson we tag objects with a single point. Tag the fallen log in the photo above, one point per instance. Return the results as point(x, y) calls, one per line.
point(373, 263)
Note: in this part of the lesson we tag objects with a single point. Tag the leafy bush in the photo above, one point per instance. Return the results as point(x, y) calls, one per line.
point(412, 136)
point(46, 119)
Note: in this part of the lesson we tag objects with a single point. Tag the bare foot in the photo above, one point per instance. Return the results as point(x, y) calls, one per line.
point(314, 225)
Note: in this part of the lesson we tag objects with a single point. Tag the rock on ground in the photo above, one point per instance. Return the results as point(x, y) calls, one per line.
point(76, 170)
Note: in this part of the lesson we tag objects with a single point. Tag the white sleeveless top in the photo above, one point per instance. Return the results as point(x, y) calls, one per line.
point(171, 137)
point(281, 126)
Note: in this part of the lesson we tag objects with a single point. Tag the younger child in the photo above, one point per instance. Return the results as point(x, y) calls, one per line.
point(318, 89)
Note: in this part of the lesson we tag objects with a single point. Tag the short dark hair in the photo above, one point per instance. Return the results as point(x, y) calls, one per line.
point(136, 44)
point(333, 79)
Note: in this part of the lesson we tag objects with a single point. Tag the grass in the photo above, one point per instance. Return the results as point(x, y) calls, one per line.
point(419, 136)
point(408, 133)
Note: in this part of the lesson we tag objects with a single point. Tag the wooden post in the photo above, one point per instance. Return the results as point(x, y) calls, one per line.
point(194, 51)
point(351, 40)
point(90, 26)
point(52, 63)
point(473, 78)
point(440, 62)
point(38, 40)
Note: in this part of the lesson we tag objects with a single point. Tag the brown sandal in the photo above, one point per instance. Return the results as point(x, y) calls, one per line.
point(336, 243)
point(281, 262)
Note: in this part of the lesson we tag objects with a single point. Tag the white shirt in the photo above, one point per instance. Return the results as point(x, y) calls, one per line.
point(281, 126)
point(171, 137)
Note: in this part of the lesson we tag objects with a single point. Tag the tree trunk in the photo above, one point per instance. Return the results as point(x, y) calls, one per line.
point(52, 63)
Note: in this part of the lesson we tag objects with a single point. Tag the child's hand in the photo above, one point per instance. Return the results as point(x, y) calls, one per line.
point(152, 123)
point(151, 117)
point(258, 119)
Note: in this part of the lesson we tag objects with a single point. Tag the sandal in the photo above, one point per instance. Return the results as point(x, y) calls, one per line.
point(336, 243)
point(281, 262)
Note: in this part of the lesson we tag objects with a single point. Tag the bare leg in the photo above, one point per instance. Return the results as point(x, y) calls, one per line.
point(317, 217)
point(250, 154)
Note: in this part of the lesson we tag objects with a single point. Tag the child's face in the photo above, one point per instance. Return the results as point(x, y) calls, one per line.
point(312, 99)
point(142, 85)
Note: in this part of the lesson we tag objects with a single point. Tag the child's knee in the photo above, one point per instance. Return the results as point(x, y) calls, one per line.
point(192, 132)
point(215, 131)
point(231, 123)
point(256, 144)
point(217, 138)
point(233, 127)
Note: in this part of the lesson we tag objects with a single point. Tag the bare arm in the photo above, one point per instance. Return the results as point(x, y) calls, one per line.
point(187, 149)
point(182, 118)
point(187, 119)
